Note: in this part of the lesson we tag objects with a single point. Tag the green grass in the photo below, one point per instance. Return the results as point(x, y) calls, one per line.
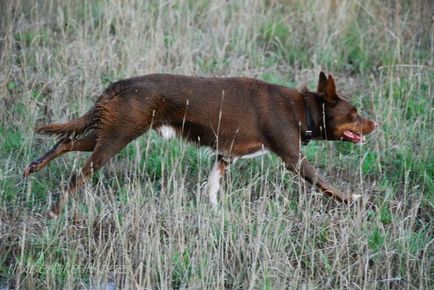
point(143, 222)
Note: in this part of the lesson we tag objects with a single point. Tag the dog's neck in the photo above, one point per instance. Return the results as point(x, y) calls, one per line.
point(314, 118)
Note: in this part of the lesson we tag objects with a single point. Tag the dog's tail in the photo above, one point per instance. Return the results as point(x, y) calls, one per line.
point(88, 121)
point(71, 129)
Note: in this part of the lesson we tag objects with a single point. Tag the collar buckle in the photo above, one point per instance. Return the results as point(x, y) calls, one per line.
point(308, 134)
point(307, 137)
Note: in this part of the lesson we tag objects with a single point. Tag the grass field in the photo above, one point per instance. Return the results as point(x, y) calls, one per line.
point(142, 222)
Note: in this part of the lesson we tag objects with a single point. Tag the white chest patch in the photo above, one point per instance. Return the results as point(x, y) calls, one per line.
point(166, 132)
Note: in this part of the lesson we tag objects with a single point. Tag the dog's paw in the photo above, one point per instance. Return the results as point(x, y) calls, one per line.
point(356, 197)
point(33, 167)
point(52, 215)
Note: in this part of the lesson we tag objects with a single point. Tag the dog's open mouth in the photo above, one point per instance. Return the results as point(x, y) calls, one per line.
point(353, 137)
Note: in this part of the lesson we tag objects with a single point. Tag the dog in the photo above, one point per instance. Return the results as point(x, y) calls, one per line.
point(235, 117)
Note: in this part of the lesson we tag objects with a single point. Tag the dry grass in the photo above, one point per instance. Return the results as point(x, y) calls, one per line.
point(142, 222)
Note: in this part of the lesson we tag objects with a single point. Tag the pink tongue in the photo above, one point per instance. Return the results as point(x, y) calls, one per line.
point(354, 137)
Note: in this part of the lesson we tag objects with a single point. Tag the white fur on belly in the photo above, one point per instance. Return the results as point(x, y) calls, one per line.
point(166, 132)
point(256, 154)
point(214, 184)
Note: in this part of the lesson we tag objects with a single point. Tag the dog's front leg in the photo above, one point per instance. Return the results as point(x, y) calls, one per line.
point(301, 166)
point(216, 174)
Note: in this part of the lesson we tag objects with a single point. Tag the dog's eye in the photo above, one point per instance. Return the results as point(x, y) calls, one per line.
point(353, 113)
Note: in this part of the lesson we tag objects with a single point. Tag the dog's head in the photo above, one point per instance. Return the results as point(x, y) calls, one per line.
point(342, 121)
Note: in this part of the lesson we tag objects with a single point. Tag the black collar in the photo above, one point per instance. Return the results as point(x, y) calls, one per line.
point(310, 126)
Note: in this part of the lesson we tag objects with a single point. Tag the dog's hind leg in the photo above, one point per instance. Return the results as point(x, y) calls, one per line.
point(105, 148)
point(86, 143)
point(103, 152)
point(216, 174)
point(120, 120)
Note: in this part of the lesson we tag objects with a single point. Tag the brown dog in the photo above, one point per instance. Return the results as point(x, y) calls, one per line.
point(236, 117)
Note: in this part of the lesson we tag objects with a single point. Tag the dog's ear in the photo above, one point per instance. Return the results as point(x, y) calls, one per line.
point(322, 84)
point(331, 87)
point(327, 88)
